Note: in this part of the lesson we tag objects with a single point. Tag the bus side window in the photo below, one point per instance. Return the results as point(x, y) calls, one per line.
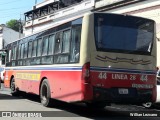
point(14, 53)
point(22, 51)
point(9, 56)
point(51, 44)
point(75, 44)
point(62, 47)
point(19, 52)
point(58, 43)
point(25, 50)
point(66, 41)
point(39, 47)
point(34, 49)
point(45, 46)
point(29, 49)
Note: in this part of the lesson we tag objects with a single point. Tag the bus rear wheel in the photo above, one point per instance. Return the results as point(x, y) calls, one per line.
point(45, 94)
point(14, 90)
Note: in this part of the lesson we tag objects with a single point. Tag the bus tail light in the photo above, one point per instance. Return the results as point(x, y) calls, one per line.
point(86, 72)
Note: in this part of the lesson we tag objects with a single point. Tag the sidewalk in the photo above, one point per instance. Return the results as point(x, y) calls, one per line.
point(4, 90)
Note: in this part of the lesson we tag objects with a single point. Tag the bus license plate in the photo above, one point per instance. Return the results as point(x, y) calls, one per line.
point(123, 91)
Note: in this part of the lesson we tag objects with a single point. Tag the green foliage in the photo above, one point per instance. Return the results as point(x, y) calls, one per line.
point(13, 24)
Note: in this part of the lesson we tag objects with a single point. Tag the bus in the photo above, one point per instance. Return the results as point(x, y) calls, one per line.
point(97, 59)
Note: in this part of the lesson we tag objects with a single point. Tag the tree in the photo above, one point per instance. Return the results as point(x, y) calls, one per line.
point(15, 25)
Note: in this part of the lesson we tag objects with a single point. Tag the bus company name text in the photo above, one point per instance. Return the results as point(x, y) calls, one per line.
point(28, 76)
point(145, 86)
point(123, 77)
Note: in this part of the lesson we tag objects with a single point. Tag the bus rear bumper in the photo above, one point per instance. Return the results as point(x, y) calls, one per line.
point(112, 95)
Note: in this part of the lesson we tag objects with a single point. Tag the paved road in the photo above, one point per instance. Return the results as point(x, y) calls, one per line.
point(63, 110)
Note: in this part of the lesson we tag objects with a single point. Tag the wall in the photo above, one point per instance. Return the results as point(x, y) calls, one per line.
point(8, 35)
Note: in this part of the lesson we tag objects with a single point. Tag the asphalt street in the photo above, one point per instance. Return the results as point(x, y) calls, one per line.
point(27, 104)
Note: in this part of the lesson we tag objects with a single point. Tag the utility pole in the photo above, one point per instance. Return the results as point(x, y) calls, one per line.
point(20, 27)
point(34, 7)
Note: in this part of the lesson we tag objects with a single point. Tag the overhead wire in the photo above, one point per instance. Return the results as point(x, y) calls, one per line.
point(8, 12)
point(12, 8)
point(9, 2)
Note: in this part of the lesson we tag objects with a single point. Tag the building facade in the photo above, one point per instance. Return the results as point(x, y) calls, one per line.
point(52, 12)
point(7, 35)
point(48, 13)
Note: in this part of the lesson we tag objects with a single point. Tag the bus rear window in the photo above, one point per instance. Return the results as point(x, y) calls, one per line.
point(119, 33)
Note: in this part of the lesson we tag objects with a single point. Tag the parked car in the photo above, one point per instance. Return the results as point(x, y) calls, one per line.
point(149, 104)
point(158, 87)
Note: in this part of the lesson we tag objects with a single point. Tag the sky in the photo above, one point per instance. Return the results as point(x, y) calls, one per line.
point(15, 9)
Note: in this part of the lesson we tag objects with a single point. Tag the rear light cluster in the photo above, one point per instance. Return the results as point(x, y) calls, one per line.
point(86, 72)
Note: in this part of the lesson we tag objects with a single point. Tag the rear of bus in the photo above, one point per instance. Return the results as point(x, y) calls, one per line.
point(119, 56)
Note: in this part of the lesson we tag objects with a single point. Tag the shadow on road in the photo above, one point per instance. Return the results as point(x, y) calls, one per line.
point(76, 109)
point(81, 110)
point(8, 97)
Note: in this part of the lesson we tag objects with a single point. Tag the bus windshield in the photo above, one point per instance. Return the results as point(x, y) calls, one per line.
point(120, 33)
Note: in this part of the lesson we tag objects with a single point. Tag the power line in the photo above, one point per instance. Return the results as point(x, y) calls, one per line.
point(9, 16)
point(13, 8)
point(8, 2)
point(9, 13)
